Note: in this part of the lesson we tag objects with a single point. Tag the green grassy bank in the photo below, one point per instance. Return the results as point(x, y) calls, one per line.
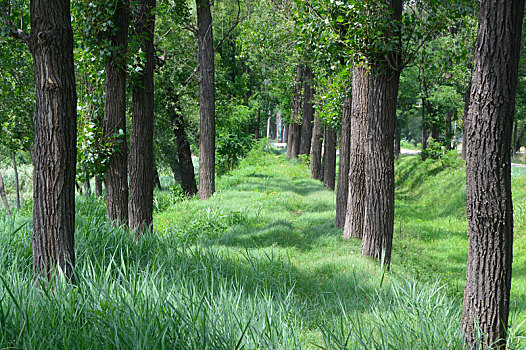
point(258, 266)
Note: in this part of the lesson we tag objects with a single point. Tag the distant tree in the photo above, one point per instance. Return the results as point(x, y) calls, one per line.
point(329, 158)
point(308, 112)
point(488, 173)
point(140, 207)
point(294, 135)
point(343, 170)
point(116, 179)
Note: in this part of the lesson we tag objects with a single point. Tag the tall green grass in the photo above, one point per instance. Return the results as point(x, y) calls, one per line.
point(258, 266)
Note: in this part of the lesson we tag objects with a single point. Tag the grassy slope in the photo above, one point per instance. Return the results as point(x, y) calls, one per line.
point(431, 227)
point(259, 265)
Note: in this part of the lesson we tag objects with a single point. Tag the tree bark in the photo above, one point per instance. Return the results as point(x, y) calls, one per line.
point(55, 143)
point(355, 210)
point(379, 166)
point(87, 187)
point(379, 155)
point(140, 208)
point(315, 153)
point(488, 173)
point(329, 158)
point(186, 166)
point(114, 123)
point(294, 133)
point(308, 112)
point(3, 195)
point(467, 99)
point(17, 182)
point(207, 132)
point(156, 179)
point(342, 190)
point(98, 186)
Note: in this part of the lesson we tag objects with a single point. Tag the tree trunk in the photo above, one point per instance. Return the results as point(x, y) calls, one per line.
point(354, 218)
point(17, 182)
point(258, 121)
point(342, 190)
point(398, 139)
point(116, 180)
point(87, 187)
point(308, 112)
point(515, 136)
point(424, 137)
point(315, 153)
point(55, 143)
point(379, 165)
point(488, 173)
point(3, 195)
point(186, 166)
point(329, 158)
point(449, 133)
point(156, 180)
point(140, 208)
point(467, 98)
point(294, 134)
point(435, 132)
point(379, 155)
point(98, 186)
point(207, 134)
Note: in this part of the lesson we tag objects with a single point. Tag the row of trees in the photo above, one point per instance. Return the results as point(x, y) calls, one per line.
point(377, 41)
point(362, 70)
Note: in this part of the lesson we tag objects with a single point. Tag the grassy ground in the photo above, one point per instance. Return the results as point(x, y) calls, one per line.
point(258, 266)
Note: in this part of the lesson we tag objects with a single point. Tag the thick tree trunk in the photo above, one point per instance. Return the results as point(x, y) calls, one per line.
point(55, 143)
point(342, 189)
point(467, 99)
point(186, 166)
point(355, 210)
point(488, 173)
point(315, 153)
point(114, 123)
point(379, 166)
point(329, 158)
point(98, 186)
point(308, 112)
point(17, 182)
point(3, 195)
point(207, 134)
point(140, 208)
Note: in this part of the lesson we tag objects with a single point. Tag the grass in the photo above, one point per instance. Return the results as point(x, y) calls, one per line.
point(258, 266)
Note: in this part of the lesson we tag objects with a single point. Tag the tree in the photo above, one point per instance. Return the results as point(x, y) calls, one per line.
point(294, 134)
point(343, 171)
point(488, 173)
point(308, 112)
point(140, 207)
point(116, 179)
point(329, 158)
point(54, 148)
point(354, 218)
point(315, 151)
point(206, 100)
